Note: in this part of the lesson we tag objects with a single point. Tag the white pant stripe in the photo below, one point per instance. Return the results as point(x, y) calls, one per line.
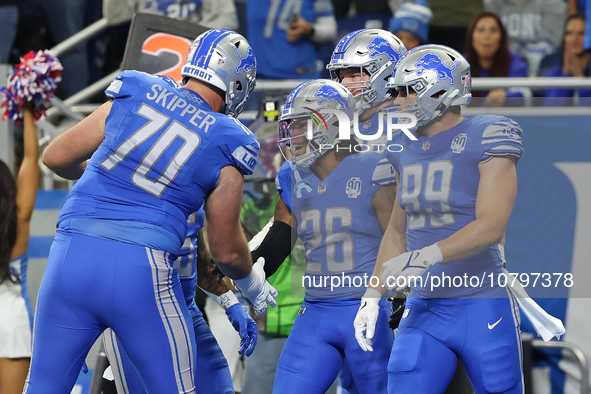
point(112, 350)
point(173, 321)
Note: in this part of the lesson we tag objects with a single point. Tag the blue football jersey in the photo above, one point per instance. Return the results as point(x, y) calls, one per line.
point(438, 186)
point(337, 222)
point(268, 22)
point(162, 153)
point(186, 263)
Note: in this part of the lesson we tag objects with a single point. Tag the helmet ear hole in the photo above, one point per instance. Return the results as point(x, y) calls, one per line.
point(238, 86)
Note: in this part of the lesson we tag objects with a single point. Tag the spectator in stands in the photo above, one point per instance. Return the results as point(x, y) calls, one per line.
point(575, 63)
point(450, 19)
point(411, 23)
point(534, 27)
point(8, 21)
point(284, 36)
point(488, 54)
point(17, 200)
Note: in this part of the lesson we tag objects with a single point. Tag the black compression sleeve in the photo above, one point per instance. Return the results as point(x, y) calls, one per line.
point(276, 246)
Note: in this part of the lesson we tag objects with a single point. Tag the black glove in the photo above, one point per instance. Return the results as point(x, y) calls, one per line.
point(397, 307)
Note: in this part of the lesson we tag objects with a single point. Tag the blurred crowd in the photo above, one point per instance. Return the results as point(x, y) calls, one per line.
point(294, 39)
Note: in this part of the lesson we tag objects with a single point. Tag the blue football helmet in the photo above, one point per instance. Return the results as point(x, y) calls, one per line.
point(438, 74)
point(374, 51)
point(224, 59)
point(311, 106)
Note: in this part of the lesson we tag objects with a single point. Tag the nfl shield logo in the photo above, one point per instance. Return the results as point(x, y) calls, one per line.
point(426, 145)
point(221, 62)
point(466, 83)
point(459, 143)
point(406, 312)
point(353, 187)
point(321, 189)
point(301, 311)
point(367, 124)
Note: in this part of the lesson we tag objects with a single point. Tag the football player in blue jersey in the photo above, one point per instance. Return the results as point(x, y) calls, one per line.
point(338, 203)
point(194, 268)
point(457, 185)
point(362, 61)
point(147, 159)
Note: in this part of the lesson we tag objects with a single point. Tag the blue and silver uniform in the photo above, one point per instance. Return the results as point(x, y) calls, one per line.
point(211, 368)
point(121, 229)
point(438, 186)
point(342, 236)
point(162, 153)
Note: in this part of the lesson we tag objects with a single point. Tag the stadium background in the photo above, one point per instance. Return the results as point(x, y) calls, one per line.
point(549, 231)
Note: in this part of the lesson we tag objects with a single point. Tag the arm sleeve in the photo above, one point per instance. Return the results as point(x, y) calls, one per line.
point(276, 246)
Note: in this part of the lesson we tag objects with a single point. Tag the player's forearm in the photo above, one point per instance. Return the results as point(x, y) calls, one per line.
point(207, 280)
point(233, 260)
point(393, 244)
point(476, 237)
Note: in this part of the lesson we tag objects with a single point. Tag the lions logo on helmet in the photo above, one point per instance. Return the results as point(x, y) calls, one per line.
point(224, 59)
point(313, 109)
point(329, 93)
point(380, 45)
point(431, 61)
point(373, 51)
point(429, 70)
point(247, 62)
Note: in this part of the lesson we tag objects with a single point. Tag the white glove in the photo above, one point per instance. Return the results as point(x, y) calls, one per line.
point(403, 270)
point(257, 289)
point(366, 319)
